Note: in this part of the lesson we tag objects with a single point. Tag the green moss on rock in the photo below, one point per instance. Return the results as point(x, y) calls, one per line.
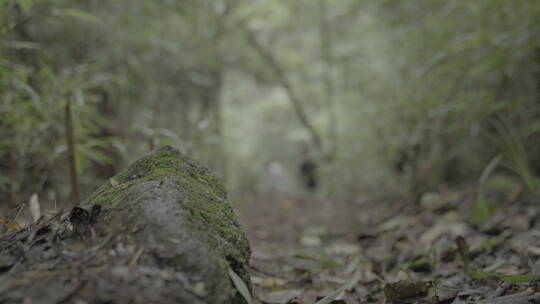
point(204, 217)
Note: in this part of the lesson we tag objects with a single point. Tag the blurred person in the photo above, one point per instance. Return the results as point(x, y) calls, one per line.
point(308, 172)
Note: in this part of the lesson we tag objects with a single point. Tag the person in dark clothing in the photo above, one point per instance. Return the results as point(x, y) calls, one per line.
point(308, 173)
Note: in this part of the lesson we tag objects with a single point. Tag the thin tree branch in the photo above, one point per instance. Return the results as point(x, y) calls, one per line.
point(285, 83)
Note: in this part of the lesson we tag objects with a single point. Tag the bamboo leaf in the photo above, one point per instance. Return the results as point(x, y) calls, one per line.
point(20, 45)
point(481, 210)
point(336, 293)
point(240, 286)
point(26, 5)
point(80, 15)
point(9, 224)
point(493, 163)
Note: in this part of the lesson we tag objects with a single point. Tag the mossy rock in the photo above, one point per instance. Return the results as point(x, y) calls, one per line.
point(159, 232)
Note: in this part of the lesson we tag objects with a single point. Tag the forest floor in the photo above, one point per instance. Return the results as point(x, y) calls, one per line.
point(371, 252)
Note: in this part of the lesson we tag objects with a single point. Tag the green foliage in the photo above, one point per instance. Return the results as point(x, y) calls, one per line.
point(79, 15)
point(456, 66)
point(513, 148)
point(518, 278)
point(481, 209)
point(35, 88)
point(418, 90)
point(110, 65)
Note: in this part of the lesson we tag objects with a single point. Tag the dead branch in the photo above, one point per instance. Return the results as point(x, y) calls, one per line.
point(285, 83)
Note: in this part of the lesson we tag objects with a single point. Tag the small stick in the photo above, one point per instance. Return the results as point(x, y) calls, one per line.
point(71, 153)
point(136, 257)
point(19, 212)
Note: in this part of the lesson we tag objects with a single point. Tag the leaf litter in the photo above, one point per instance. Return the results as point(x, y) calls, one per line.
point(331, 252)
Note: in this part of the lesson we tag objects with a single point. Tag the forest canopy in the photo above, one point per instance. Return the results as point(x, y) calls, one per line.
point(402, 97)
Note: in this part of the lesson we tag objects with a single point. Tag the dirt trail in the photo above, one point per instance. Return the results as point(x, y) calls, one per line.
point(299, 245)
point(303, 249)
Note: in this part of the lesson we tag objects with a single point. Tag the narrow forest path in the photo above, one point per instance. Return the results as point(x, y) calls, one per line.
point(303, 249)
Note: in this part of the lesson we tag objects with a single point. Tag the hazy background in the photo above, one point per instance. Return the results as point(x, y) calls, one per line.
point(388, 98)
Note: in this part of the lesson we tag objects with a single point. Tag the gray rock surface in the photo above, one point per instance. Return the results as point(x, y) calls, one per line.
point(159, 232)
